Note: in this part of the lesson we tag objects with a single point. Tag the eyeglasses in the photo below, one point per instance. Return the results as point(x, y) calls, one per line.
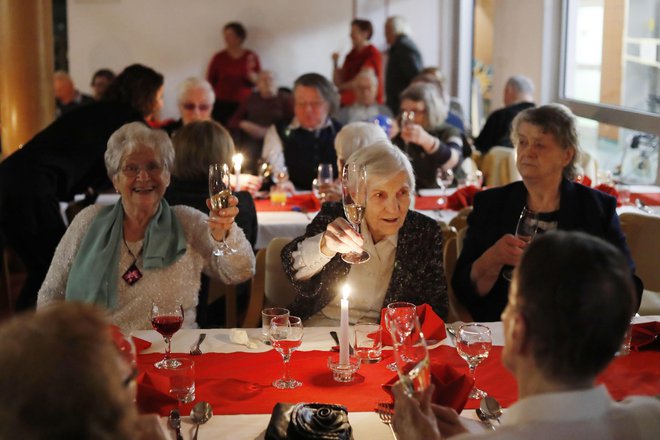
point(192, 106)
point(153, 169)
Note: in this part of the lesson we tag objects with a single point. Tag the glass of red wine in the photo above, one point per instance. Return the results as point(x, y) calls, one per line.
point(166, 319)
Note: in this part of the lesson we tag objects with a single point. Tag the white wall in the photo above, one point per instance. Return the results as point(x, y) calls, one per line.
point(179, 37)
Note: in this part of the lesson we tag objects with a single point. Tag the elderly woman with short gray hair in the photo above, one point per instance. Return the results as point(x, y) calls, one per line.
point(139, 251)
point(405, 248)
point(195, 98)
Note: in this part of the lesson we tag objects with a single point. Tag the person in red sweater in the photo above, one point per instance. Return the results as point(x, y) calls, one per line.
point(364, 55)
point(232, 72)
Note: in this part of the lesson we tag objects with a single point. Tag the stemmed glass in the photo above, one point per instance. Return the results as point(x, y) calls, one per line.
point(220, 192)
point(525, 231)
point(407, 118)
point(399, 321)
point(285, 335)
point(167, 319)
point(473, 343)
point(354, 197)
point(443, 178)
point(411, 355)
point(324, 180)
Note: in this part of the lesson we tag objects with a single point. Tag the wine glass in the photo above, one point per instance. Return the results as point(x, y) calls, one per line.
point(325, 174)
point(285, 335)
point(281, 175)
point(220, 192)
point(407, 118)
point(443, 178)
point(411, 355)
point(525, 231)
point(399, 321)
point(167, 319)
point(354, 197)
point(473, 343)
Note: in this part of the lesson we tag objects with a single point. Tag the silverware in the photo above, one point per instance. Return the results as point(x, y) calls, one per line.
point(336, 338)
point(200, 414)
point(194, 349)
point(484, 418)
point(175, 423)
point(639, 203)
point(491, 408)
point(385, 412)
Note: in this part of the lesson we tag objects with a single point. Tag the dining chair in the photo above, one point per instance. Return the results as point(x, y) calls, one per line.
point(643, 238)
point(499, 166)
point(450, 252)
point(460, 221)
point(270, 286)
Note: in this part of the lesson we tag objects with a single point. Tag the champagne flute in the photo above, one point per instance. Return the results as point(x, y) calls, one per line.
point(407, 118)
point(167, 319)
point(399, 317)
point(220, 192)
point(285, 335)
point(411, 356)
point(354, 197)
point(443, 178)
point(473, 343)
point(525, 231)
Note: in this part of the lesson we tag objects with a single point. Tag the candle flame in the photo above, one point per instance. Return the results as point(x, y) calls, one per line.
point(345, 291)
point(237, 159)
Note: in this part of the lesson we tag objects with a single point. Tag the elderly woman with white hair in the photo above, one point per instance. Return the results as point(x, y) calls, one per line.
point(426, 139)
point(195, 98)
point(405, 248)
point(126, 256)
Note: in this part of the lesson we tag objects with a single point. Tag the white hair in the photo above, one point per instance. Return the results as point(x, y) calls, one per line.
point(399, 25)
point(194, 83)
point(355, 136)
point(131, 136)
point(383, 161)
point(521, 84)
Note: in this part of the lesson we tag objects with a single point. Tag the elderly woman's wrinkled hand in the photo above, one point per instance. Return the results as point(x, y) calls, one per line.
point(507, 250)
point(220, 220)
point(340, 237)
point(415, 134)
point(413, 416)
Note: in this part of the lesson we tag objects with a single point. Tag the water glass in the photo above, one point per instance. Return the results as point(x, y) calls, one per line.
point(267, 316)
point(604, 177)
point(325, 173)
point(182, 380)
point(368, 341)
point(411, 356)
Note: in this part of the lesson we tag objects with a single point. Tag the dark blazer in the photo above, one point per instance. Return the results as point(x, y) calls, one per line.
point(497, 129)
point(404, 61)
point(418, 276)
point(496, 212)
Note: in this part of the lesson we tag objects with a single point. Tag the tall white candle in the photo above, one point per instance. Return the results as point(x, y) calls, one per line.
point(343, 328)
point(238, 162)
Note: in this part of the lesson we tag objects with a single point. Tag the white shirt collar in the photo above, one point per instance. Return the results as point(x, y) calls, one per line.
point(295, 124)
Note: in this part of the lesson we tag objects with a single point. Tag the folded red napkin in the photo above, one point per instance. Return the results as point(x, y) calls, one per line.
point(433, 326)
point(584, 180)
point(152, 392)
point(119, 339)
point(452, 387)
point(609, 189)
point(462, 198)
point(645, 336)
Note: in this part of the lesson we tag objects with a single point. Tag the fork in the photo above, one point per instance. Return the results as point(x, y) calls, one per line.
point(385, 412)
point(194, 349)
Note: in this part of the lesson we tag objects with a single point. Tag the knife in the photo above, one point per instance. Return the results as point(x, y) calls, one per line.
point(336, 338)
point(639, 203)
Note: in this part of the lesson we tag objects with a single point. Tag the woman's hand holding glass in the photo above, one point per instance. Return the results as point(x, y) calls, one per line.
point(220, 203)
point(221, 220)
point(413, 133)
point(340, 237)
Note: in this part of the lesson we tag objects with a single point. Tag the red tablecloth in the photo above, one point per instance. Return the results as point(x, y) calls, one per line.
point(240, 383)
point(299, 202)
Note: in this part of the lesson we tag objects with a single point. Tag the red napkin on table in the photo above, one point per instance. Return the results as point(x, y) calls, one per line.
point(433, 326)
point(452, 387)
point(120, 340)
point(584, 180)
point(462, 198)
point(152, 392)
point(645, 336)
point(306, 202)
point(609, 189)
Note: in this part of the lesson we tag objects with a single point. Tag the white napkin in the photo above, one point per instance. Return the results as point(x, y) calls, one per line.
point(240, 337)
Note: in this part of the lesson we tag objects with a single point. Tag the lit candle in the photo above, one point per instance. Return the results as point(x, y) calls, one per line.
point(343, 327)
point(238, 161)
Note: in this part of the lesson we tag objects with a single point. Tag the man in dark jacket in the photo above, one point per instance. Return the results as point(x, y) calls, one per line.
point(403, 62)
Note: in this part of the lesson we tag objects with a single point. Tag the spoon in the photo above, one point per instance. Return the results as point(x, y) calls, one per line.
point(200, 414)
point(643, 206)
point(491, 408)
point(484, 418)
point(175, 423)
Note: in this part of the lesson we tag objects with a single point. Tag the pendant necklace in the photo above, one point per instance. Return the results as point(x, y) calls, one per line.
point(132, 274)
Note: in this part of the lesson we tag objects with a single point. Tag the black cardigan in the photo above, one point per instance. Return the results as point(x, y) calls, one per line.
point(418, 275)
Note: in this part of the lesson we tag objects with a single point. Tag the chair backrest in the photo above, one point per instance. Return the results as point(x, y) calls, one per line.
point(589, 166)
point(643, 237)
point(499, 166)
point(460, 221)
point(460, 236)
point(457, 312)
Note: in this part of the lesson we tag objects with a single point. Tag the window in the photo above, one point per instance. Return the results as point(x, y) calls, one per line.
point(611, 78)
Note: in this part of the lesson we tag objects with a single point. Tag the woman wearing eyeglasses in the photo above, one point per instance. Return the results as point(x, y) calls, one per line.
point(141, 250)
point(195, 98)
